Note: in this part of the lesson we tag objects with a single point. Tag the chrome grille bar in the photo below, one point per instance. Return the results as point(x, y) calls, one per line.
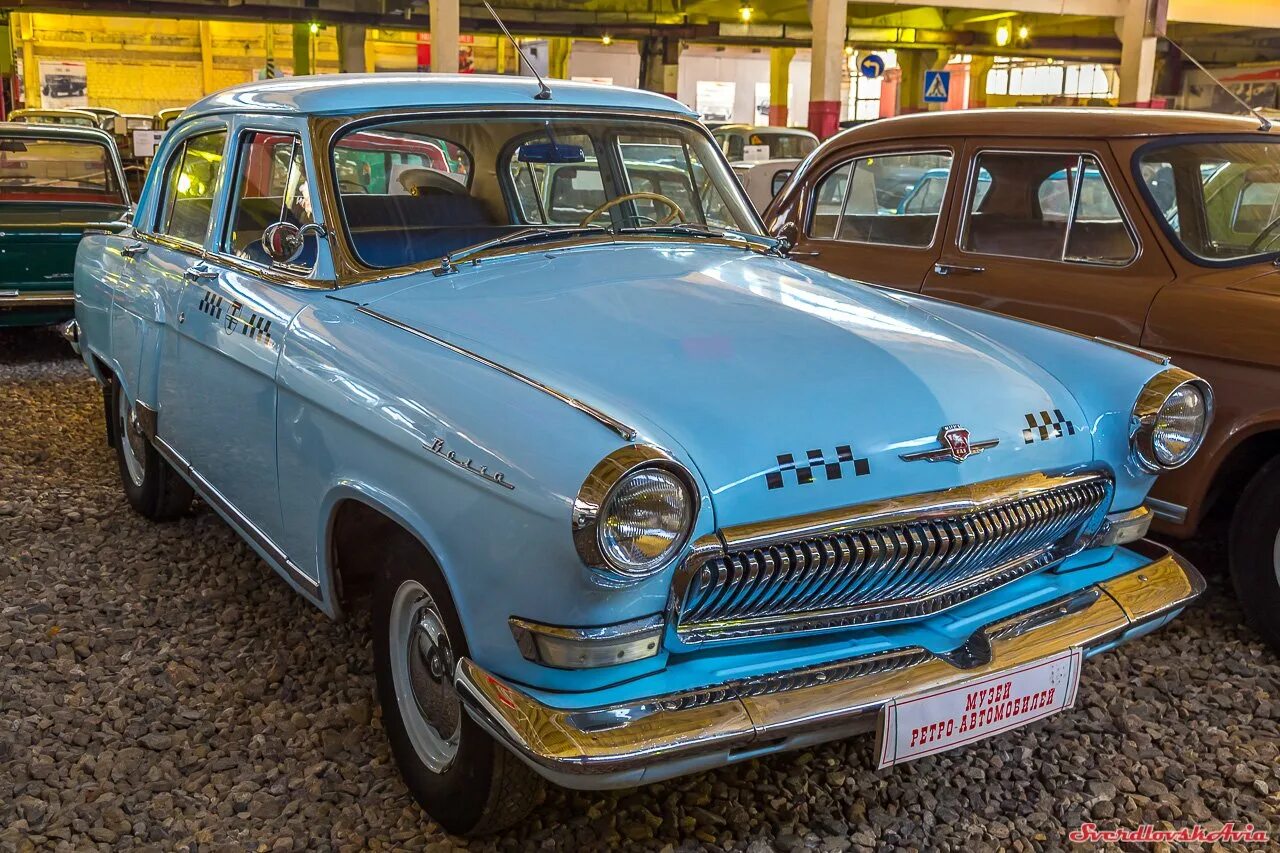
point(886, 561)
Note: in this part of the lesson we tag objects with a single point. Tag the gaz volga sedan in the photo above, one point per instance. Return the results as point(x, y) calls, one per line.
point(631, 493)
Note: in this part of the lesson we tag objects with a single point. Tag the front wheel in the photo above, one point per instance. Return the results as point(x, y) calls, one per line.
point(465, 781)
point(150, 483)
point(1255, 552)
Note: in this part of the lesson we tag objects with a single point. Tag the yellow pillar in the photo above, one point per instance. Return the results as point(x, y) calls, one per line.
point(502, 56)
point(206, 59)
point(979, 67)
point(370, 51)
point(779, 83)
point(301, 49)
point(558, 62)
point(30, 70)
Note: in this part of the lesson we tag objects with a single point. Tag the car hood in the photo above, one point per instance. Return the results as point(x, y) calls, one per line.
point(790, 390)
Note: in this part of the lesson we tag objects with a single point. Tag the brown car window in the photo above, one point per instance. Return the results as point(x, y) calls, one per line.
point(890, 199)
point(1046, 206)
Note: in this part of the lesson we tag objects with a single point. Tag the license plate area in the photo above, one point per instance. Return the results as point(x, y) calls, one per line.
point(953, 716)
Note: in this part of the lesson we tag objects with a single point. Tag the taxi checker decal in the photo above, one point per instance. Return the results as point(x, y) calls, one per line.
point(816, 459)
point(256, 327)
point(1046, 427)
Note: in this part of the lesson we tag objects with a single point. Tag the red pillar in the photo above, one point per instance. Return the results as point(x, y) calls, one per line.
point(824, 118)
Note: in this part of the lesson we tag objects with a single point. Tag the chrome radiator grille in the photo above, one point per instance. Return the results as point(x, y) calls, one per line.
point(888, 561)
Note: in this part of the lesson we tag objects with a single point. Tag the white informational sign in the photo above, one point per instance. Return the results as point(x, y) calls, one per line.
point(63, 85)
point(762, 102)
point(146, 141)
point(714, 100)
point(755, 153)
point(954, 716)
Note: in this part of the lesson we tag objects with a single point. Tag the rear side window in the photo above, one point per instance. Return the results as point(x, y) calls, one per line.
point(1045, 206)
point(889, 199)
point(189, 188)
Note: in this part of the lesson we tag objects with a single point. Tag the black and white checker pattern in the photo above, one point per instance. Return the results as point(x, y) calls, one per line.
point(1043, 427)
point(816, 460)
point(211, 304)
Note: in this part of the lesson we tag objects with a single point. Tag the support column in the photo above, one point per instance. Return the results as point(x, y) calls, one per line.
point(779, 83)
point(30, 68)
point(830, 25)
point(371, 50)
point(6, 68)
point(1138, 28)
point(207, 86)
point(558, 60)
point(301, 49)
point(351, 57)
point(979, 67)
point(444, 36)
point(911, 85)
point(660, 65)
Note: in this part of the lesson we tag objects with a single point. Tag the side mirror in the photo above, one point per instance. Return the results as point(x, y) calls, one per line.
point(283, 241)
point(788, 233)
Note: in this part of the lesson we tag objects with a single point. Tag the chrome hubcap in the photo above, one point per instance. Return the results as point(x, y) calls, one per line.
point(422, 671)
point(134, 443)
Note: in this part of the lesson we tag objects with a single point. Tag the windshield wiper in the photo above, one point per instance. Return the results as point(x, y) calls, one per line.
point(770, 245)
point(449, 263)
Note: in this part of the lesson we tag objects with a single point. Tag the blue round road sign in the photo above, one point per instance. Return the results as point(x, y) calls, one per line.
point(872, 66)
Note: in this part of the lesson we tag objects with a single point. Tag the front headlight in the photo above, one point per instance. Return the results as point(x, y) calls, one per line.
point(1170, 419)
point(634, 512)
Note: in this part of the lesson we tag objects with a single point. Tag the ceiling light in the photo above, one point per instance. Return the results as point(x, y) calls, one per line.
point(1003, 34)
point(606, 39)
point(848, 50)
point(315, 28)
point(746, 12)
point(1023, 33)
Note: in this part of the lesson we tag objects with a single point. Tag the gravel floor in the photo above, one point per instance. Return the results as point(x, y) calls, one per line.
point(161, 688)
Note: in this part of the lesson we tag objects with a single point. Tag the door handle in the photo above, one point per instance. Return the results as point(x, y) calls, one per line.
point(133, 250)
point(796, 254)
point(200, 273)
point(948, 269)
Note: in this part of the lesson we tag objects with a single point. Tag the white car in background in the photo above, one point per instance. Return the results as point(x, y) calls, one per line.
point(753, 143)
point(764, 178)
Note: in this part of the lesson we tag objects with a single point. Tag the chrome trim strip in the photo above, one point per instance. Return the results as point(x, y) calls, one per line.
point(237, 519)
point(1167, 510)
point(944, 454)
point(655, 737)
point(628, 433)
point(37, 298)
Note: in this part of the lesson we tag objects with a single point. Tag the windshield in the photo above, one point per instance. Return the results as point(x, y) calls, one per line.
point(413, 191)
point(1220, 200)
point(34, 169)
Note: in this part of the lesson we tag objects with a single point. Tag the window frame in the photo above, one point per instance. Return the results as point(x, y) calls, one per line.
point(154, 228)
point(811, 201)
point(962, 229)
point(219, 249)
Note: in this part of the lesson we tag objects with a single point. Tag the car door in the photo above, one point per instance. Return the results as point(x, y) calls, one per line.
point(235, 309)
point(873, 213)
point(1045, 232)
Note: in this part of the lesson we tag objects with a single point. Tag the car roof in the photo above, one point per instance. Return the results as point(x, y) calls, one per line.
point(347, 94)
point(1041, 122)
point(761, 129)
point(70, 131)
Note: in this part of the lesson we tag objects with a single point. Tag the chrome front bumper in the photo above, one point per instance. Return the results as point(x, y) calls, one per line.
point(37, 298)
point(651, 739)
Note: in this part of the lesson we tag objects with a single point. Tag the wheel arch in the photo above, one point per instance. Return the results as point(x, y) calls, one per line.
point(1242, 460)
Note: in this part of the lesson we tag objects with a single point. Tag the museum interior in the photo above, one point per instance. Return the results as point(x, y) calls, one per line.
point(644, 425)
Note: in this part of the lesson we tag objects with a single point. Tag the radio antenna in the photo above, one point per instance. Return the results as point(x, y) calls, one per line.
point(544, 91)
point(1264, 123)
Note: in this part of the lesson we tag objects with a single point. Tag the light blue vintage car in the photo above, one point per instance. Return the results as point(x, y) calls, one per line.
point(631, 493)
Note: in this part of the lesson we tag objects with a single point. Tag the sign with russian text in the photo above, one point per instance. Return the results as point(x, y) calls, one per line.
point(954, 716)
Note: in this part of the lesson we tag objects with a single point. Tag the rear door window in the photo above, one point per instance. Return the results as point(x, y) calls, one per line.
point(271, 186)
point(886, 199)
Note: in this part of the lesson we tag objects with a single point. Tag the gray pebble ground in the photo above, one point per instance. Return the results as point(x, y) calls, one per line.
point(160, 688)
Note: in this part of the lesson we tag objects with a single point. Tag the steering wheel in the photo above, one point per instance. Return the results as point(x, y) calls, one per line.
point(676, 212)
point(1266, 235)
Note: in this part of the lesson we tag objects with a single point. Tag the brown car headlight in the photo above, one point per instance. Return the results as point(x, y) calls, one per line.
point(634, 513)
point(1170, 420)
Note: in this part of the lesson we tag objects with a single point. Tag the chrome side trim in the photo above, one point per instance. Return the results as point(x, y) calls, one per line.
point(37, 298)
point(237, 519)
point(1167, 511)
point(652, 738)
point(628, 433)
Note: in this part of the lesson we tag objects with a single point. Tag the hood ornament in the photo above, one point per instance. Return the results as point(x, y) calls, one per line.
point(956, 446)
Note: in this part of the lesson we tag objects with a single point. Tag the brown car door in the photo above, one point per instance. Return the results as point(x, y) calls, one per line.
point(873, 213)
point(1047, 232)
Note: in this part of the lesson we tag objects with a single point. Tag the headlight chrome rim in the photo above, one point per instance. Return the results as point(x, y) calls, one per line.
point(1151, 402)
point(599, 488)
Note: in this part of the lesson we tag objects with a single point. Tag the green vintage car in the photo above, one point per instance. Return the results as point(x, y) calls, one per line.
point(56, 183)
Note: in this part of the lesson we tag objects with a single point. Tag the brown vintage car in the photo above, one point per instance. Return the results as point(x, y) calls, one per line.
point(1152, 229)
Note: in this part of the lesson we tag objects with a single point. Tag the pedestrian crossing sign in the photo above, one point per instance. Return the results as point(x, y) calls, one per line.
point(937, 86)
